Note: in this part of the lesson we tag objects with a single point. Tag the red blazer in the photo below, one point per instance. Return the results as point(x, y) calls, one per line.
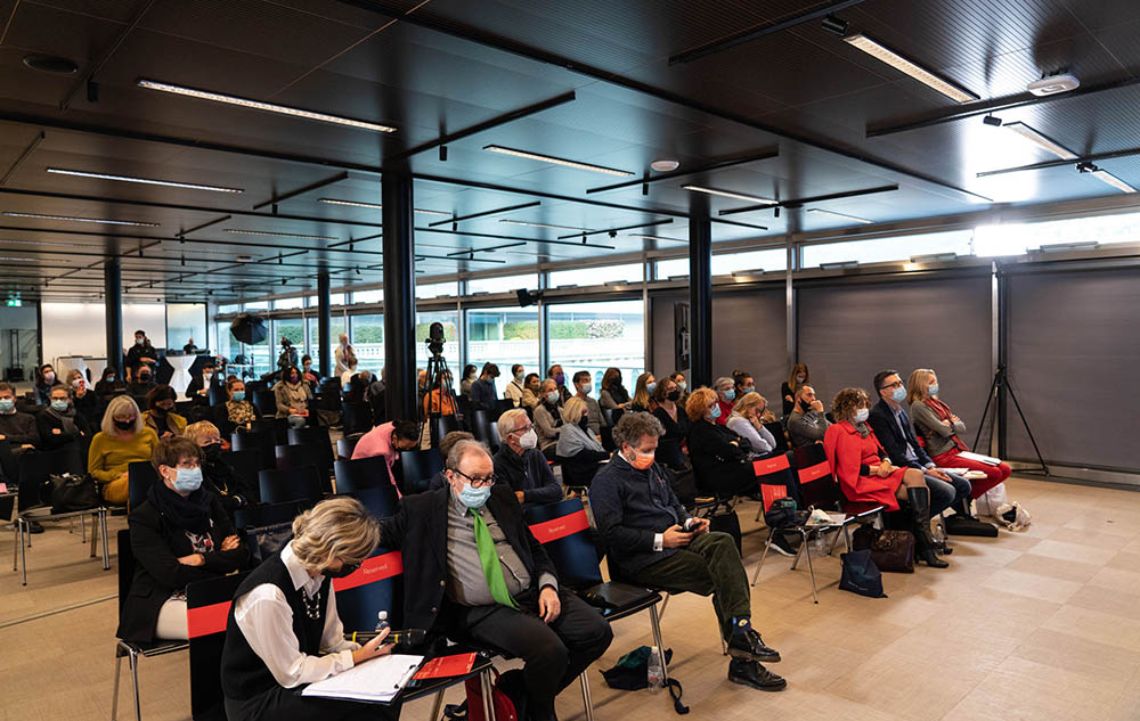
point(847, 452)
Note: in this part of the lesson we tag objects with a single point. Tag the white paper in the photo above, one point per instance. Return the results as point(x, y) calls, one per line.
point(988, 460)
point(378, 680)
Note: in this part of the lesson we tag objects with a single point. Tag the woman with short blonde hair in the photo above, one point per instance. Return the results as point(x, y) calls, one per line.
point(123, 440)
point(747, 422)
point(575, 440)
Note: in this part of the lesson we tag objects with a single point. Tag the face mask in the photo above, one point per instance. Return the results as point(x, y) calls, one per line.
point(60, 405)
point(77, 383)
point(7, 405)
point(641, 461)
point(862, 415)
point(139, 341)
point(682, 385)
point(346, 569)
point(585, 390)
point(899, 394)
point(584, 422)
point(207, 376)
point(212, 451)
point(187, 480)
point(552, 397)
point(714, 412)
point(747, 389)
point(519, 376)
point(144, 377)
point(650, 387)
point(801, 378)
point(529, 439)
point(239, 395)
point(673, 396)
point(49, 377)
point(109, 379)
point(933, 389)
point(730, 395)
point(125, 425)
point(474, 497)
point(162, 411)
point(560, 379)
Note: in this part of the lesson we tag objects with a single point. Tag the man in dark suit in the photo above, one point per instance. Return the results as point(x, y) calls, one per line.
point(893, 428)
point(474, 571)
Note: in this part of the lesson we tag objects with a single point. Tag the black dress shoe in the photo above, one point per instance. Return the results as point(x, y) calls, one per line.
point(34, 527)
point(746, 644)
point(750, 673)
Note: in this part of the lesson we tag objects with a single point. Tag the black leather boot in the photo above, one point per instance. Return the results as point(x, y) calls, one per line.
point(919, 499)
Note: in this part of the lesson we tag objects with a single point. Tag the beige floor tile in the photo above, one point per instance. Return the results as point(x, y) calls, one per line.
point(1070, 652)
point(1107, 628)
point(1074, 552)
point(1032, 585)
point(1046, 566)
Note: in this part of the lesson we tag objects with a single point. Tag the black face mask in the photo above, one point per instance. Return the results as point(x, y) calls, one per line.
point(346, 569)
point(124, 425)
point(673, 396)
point(213, 451)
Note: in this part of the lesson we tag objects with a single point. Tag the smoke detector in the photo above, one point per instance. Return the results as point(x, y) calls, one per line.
point(244, 258)
point(1054, 84)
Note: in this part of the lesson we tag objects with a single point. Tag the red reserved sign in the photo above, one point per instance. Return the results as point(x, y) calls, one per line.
point(814, 473)
point(764, 466)
point(376, 568)
point(548, 531)
point(207, 620)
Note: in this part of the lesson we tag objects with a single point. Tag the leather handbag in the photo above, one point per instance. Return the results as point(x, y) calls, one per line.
point(73, 493)
point(892, 551)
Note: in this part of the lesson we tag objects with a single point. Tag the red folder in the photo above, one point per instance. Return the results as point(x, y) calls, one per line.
point(445, 666)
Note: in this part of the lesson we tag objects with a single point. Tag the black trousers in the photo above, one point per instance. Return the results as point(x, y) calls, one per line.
point(553, 655)
point(287, 704)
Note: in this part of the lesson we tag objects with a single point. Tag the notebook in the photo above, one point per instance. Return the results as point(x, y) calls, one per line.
point(378, 680)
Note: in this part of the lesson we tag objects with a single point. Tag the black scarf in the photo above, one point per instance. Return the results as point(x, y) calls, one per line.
point(552, 408)
point(65, 418)
point(191, 513)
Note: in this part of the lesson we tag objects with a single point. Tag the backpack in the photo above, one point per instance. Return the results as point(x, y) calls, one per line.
point(631, 673)
point(508, 694)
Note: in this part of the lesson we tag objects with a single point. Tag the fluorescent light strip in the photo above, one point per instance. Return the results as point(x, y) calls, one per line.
point(1041, 140)
point(730, 194)
point(74, 219)
point(558, 161)
point(856, 218)
point(659, 237)
point(269, 234)
point(549, 226)
point(885, 55)
point(1106, 177)
point(376, 206)
point(267, 107)
point(144, 181)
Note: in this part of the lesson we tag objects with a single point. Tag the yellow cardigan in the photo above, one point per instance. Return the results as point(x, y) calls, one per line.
point(109, 456)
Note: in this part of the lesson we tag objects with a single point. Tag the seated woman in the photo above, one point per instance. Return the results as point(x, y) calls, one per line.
point(643, 393)
point(284, 631)
point(237, 412)
point(747, 421)
point(198, 391)
point(941, 430)
point(671, 449)
point(45, 380)
point(614, 395)
point(292, 395)
point(865, 474)
point(123, 440)
point(217, 476)
point(179, 534)
point(59, 424)
point(548, 418)
point(82, 396)
point(577, 447)
point(160, 416)
point(722, 460)
point(725, 396)
point(532, 391)
point(799, 376)
point(109, 386)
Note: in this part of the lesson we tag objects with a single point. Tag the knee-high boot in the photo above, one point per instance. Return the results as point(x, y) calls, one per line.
point(919, 499)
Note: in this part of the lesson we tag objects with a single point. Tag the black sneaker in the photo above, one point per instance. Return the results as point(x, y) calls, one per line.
point(957, 525)
point(746, 644)
point(750, 673)
point(34, 527)
point(781, 544)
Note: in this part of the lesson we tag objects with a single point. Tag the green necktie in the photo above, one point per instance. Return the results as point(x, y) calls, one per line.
point(492, 569)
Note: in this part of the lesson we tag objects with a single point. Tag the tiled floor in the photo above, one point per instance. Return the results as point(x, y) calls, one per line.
point(1038, 625)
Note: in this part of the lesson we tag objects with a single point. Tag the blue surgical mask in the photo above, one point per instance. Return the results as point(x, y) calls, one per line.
point(730, 395)
point(650, 387)
point(899, 394)
point(474, 497)
point(862, 415)
point(187, 480)
point(933, 389)
point(552, 397)
point(714, 412)
point(748, 389)
point(7, 405)
point(239, 395)
point(59, 405)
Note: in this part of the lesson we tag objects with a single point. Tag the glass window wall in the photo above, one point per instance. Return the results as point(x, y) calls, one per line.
point(597, 336)
point(503, 336)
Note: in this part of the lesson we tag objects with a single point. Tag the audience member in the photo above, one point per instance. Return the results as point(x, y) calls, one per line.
point(439, 480)
point(556, 374)
point(123, 440)
point(747, 422)
point(219, 478)
point(583, 385)
point(109, 386)
point(515, 388)
point(532, 391)
point(942, 431)
point(82, 396)
point(798, 377)
point(284, 632)
point(198, 390)
point(671, 451)
point(141, 355)
point(520, 465)
point(355, 388)
point(59, 425)
point(743, 383)
point(308, 374)
point(653, 541)
point(807, 423)
point(440, 402)
point(643, 393)
point(386, 441)
point(483, 393)
point(292, 397)
point(237, 412)
point(679, 378)
point(16, 427)
point(45, 380)
point(143, 382)
point(344, 356)
point(160, 416)
point(470, 375)
point(722, 464)
point(548, 418)
point(866, 475)
point(613, 395)
point(514, 604)
point(577, 445)
point(179, 534)
point(725, 396)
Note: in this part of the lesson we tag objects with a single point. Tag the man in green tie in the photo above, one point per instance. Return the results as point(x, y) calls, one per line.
point(473, 571)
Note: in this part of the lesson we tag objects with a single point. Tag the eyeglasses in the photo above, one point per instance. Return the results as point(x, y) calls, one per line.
point(476, 482)
point(896, 384)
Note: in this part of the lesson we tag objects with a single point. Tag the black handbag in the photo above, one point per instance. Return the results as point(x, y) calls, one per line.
point(861, 575)
point(727, 522)
point(892, 551)
point(70, 493)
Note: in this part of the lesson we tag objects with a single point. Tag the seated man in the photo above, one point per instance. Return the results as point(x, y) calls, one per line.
point(807, 423)
point(520, 465)
point(652, 540)
point(488, 580)
point(18, 428)
point(387, 440)
point(583, 384)
point(892, 426)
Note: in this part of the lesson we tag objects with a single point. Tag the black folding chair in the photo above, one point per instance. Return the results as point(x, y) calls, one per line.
point(279, 486)
point(245, 465)
point(315, 436)
point(268, 514)
point(265, 401)
point(441, 426)
point(141, 475)
point(776, 428)
point(484, 430)
point(262, 441)
point(417, 468)
point(355, 417)
point(361, 474)
point(289, 457)
point(345, 447)
point(207, 611)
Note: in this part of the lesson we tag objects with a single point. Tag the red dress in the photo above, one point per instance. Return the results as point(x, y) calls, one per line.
point(847, 451)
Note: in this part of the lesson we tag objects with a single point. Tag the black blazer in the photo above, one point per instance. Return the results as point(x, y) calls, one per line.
point(419, 531)
point(894, 441)
point(157, 545)
point(49, 441)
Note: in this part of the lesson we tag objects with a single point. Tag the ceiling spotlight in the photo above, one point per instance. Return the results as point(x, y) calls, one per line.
point(75, 219)
point(835, 25)
point(665, 165)
point(730, 194)
point(908, 67)
point(144, 181)
point(992, 120)
point(557, 161)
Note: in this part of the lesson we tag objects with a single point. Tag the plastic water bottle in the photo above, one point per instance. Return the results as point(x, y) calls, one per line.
point(382, 622)
point(654, 675)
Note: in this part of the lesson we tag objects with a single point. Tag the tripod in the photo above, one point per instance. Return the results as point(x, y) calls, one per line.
point(1000, 382)
point(439, 379)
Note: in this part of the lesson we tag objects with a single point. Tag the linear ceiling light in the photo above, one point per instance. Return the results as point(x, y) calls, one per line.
point(74, 219)
point(269, 234)
point(144, 181)
point(730, 194)
point(1041, 140)
point(267, 107)
point(856, 218)
point(659, 237)
point(558, 161)
point(549, 226)
point(885, 55)
point(1106, 177)
point(375, 206)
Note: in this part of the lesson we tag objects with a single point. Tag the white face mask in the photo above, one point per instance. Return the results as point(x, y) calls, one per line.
point(862, 415)
point(529, 439)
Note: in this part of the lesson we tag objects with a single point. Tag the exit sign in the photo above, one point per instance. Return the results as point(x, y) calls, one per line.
point(14, 303)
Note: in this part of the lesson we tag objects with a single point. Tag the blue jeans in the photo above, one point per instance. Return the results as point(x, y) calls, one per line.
point(944, 494)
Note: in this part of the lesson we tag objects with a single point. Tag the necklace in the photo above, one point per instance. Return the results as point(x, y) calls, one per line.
point(312, 604)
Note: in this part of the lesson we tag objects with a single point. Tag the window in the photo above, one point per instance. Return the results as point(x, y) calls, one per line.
point(503, 336)
point(288, 303)
point(224, 342)
point(672, 268)
point(437, 290)
point(769, 259)
point(1075, 233)
point(597, 336)
point(502, 284)
point(232, 308)
point(260, 357)
point(183, 322)
point(368, 340)
point(450, 321)
point(335, 329)
point(294, 330)
point(631, 273)
point(881, 250)
point(334, 299)
point(257, 305)
point(368, 296)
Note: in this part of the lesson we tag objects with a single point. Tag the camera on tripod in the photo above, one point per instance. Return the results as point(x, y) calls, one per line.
point(435, 339)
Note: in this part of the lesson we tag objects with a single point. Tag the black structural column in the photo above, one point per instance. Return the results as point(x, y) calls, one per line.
point(700, 291)
point(113, 297)
point(399, 293)
point(324, 324)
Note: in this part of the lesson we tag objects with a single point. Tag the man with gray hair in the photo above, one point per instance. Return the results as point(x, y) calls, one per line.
point(652, 540)
point(520, 464)
point(473, 571)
